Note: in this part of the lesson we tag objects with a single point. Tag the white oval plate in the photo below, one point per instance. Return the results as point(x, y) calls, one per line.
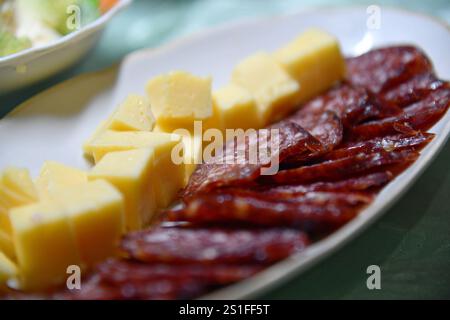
point(53, 124)
point(33, 64)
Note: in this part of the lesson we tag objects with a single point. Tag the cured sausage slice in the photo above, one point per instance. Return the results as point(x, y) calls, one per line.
point(314, 212)
point(381, 69)
point(389, 143)
point(343, 168)
point(212, 246)
point(418, 116)
point(236, 168)
point(413, 90)
point(120, 271)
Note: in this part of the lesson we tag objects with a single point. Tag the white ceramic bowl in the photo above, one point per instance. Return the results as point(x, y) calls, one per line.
point(36, 63)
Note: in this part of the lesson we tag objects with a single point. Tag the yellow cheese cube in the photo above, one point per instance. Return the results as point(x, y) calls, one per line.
point(6, 245)
point(111, 141)
point(131, 173)
point(272, 87)
point(134, 114)
point(55, 176)
point(45, 244)
point(314, 60)
point(179, 98)
point(236, 108)
point(19, 181)
point(8, 269)
point(96, 213)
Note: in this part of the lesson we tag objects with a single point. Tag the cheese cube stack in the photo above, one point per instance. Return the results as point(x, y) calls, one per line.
point(96, 214)
point(8, 269)
point(147, 177)
point(270, 84)
point(236, 108)
point(55, 176)
point(314, 60)
point(130, 172)
point(78, 225)
point(179, 98)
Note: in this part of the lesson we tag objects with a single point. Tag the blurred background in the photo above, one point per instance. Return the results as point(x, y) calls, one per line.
point(405, 230)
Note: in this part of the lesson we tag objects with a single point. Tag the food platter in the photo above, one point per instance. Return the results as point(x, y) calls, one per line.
point(56, 122)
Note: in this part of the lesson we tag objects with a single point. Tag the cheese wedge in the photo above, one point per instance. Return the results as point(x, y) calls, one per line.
point(45, 244)
point(272, 87)
point(134, 114)
point(19, 181)
point(179, 98)
point(8, 269)
point(236, 108)
point(314, 60)
point(131, 172)
point(55, 176)
point(111, 141)
point(95, 211)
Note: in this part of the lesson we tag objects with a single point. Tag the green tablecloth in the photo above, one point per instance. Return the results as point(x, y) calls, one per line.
point(411, 243)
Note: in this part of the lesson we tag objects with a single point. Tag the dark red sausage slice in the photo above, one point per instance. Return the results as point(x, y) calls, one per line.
point(213, 246)
point(236, 168)
point(315, 212)
point(342, 168)
point(326, 127)
point(382, 69)
point(117, 271)
point(418, 116)
point(352, 104)
point(145, 289)
point(413, 90)
point(362, 183)
point(390, 143)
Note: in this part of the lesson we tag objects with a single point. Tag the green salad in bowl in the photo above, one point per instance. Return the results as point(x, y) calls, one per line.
point(30, 23)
